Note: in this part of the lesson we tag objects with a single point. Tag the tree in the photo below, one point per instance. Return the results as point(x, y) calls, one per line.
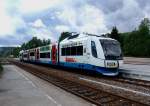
point(46, 42)
point(64, 35)
point(35, 42)
point(114, 33)
point(15, 51)
point(144, 23)
point(23, 46)
point(144, 27)
point(138, 41)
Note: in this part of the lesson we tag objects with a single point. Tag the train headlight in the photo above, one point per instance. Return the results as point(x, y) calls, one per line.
point(111, 64)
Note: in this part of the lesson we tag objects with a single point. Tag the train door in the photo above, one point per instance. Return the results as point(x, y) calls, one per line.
point(37, 54)
point(28, 55)
point(54, 54)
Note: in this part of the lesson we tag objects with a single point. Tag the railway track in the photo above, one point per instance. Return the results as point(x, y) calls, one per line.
point(88, 92)
point(137, 82)
point(121, 79)
point(4, 61)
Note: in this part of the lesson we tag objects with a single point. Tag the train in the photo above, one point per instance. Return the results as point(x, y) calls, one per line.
point(90, 52)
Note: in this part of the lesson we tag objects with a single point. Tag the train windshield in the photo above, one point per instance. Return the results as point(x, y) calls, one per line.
point(111, 48)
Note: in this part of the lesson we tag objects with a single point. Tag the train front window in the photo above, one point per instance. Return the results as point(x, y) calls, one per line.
point(111, 48)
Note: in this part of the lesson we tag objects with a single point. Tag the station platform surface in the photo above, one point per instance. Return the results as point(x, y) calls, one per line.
point(138, 68)
point(18, 88)
point(137, 61)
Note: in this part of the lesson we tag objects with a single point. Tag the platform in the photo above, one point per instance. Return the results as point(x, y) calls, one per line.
point(136, 71)
point(18, 88)
point(137, 61)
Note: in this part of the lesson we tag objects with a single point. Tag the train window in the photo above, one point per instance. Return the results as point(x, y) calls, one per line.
point(68, 52)
point(111, 48)
point(45, 55)
point(79, 50)
point(93, 48)
point(73, 50)
point(32, 54)
point(63, 51)
point(25, 55)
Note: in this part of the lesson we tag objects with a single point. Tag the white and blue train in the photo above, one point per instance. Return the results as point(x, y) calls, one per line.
point(83, 51)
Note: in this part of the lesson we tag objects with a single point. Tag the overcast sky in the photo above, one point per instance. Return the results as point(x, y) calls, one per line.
point(20, 20)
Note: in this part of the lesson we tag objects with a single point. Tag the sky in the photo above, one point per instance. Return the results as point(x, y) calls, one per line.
point(20, 20)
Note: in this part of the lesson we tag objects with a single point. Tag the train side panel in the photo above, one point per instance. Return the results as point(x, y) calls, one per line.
point(45, 54)
point(74, 53)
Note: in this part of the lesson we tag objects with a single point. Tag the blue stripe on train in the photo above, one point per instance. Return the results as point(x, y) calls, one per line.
point(102, 70)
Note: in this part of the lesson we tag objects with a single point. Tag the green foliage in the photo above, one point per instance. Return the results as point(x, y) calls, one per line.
point(137, 42)
point(145, 24)
point(64, 35)
point(6, 51)
point(15, 51)
point(114, 34)
point(35, 42)
point(1, 68)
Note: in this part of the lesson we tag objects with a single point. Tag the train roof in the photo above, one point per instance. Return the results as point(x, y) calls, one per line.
point(82, 36)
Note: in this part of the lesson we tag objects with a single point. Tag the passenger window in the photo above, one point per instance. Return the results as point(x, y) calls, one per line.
point(79, 50)
point(32, 54)
point(45, 55)
point(73, 50)
point(93, 48)
point(68, 51)
point(63, 51)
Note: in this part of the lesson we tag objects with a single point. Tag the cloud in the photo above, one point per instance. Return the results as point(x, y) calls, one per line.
point(5, 21)
point(62, 28)
point(83, 19)
point(91, 20)
point(30, 6)
point(38, 24)
point(108, 6)
point(20, 20)
point(147, 11)
point(127, 17)
point(40, 30)
point(9, 22)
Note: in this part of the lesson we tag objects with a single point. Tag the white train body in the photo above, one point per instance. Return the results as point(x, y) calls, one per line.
point(45, 54)
point(24, 55)
point(83, 51)
point(93, 57)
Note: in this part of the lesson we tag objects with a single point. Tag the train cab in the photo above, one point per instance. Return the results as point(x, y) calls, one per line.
point(106, 55)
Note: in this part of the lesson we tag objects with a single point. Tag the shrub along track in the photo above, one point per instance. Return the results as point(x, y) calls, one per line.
point(79, 88)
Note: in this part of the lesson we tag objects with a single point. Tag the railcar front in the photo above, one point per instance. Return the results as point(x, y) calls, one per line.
point(25, 55)
point(21, 55)
point(106, 55)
